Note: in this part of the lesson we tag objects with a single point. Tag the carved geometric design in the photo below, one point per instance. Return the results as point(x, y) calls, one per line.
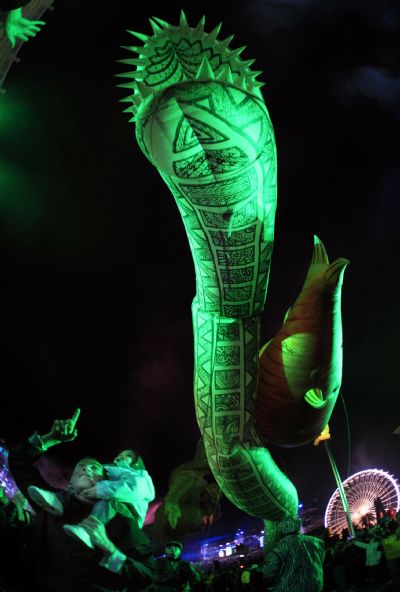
point(185, 137)
point(242, 466)
point(213, 143)
point(227, 355)
point(191, 131)
point(226, 379)
point(233, 239)
point(237, 294)
point(226, 192)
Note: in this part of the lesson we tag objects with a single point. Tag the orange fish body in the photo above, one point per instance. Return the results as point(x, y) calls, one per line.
point(300, 370)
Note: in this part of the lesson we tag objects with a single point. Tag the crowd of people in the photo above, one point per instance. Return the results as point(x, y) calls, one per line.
point(363, 562)
point(368, 562)
point(89, 536)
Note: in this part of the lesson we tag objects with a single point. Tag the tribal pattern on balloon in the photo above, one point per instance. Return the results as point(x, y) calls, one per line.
point(202, 122)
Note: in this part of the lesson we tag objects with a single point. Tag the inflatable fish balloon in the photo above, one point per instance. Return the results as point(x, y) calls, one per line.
point(301, 367)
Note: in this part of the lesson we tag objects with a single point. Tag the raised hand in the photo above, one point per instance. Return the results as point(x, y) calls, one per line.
point(64, 430)
point(19, 27)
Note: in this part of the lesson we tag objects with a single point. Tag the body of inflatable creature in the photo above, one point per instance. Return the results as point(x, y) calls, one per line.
point(202, 122)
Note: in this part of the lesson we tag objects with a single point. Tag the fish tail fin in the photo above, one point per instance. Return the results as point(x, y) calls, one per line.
point(319, 252)
point(334, 274)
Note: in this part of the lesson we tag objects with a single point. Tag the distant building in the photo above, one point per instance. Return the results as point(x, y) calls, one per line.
point(240, 546)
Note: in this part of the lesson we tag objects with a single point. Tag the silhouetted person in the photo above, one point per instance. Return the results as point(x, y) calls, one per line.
point(379, 509)
point(295, 562)
point(173, 573)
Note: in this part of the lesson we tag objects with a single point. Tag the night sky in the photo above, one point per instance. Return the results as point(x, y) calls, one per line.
point(97, 276)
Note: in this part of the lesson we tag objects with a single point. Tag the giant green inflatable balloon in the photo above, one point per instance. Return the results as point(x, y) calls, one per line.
point(202, 121)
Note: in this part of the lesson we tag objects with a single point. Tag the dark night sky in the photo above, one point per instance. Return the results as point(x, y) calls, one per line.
point(96, 269)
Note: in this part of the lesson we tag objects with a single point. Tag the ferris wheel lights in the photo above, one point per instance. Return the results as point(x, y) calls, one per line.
point(362, 489)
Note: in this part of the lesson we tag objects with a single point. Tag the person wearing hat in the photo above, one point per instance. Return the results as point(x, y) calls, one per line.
point(173, 573)
point(15, 24)
point(296, 560)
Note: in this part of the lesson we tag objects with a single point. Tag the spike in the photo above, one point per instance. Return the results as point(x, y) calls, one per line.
point(236, 52)
point(130, 48)
point(225, 74)
point(141, 36)
point(199, 30)
point(246, 63)
point(255, 91)
point(140, 50)
point(131, 85)
point(144, 90)
point(212, 37)
point(127, 99)
point(183, 24)
point(205, 70)
point(258, 84)
point(132, 120)
point(128, 110)
point(133, 62)
point(319, 252)
point(135, 74)
point(161, 22)
point(253, 73)
point(222, 45)
point(156, 27)
point(241, 81)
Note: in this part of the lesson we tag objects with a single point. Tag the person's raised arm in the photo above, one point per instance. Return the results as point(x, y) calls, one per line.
point(360, 544)
point(62, 430)
point(23, 456)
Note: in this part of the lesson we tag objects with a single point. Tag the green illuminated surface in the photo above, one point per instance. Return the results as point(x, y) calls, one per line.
point(301, 367)
point(19, 27)
point(201, 120)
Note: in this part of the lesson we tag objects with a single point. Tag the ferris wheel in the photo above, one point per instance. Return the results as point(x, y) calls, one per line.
point(361, 490)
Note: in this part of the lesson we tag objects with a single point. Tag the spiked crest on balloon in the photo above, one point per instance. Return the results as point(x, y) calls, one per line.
point(175, 54)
